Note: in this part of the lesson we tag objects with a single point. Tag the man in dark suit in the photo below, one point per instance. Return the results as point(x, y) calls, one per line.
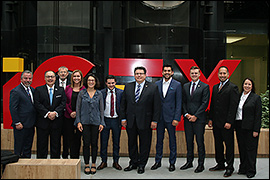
point(112, 97)
point(50, 102)
point(170, 92)
point(196, 96)
point(222, 115)
point(23, 113)
point(140, 113)
point(63, 79)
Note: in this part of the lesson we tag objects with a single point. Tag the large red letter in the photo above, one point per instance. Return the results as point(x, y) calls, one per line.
point(186, 64)
point(71, 62)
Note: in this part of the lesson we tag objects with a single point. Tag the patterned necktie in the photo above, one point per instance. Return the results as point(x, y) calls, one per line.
point(28, 93)
point(51, 96)
point(112, 104)
point(192, 90)
point(137, 93)
point(220, 87)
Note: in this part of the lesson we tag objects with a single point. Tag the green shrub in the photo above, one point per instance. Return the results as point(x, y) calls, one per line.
point(265, 109)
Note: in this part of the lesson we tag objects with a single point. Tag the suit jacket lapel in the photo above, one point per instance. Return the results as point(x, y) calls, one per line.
point(24, 92)
point(143, 90)
point(248, 98)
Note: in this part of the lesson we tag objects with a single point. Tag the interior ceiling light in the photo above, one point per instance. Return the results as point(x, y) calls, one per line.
point(233, 39)
point(162, 5)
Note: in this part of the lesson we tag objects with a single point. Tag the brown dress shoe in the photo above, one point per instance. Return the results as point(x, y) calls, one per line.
point(117, 166)
point(102, 166)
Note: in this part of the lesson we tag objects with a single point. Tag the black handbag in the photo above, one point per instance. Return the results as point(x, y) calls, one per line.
point(8, 157)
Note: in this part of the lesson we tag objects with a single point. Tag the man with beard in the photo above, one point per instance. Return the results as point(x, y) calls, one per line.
point(170, 92)
point(23, 115)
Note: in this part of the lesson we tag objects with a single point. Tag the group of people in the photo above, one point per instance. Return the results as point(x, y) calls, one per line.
point(73, 106)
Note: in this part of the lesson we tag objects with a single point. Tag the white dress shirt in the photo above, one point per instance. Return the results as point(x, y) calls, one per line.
point(165, 86)
point(63, 83)
point(107, 111)
point(240, 106)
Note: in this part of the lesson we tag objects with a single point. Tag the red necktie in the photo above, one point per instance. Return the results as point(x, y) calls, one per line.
point(112, 104)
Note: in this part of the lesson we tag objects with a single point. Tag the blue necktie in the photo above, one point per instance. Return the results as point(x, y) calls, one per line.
point(137, 93)
point(51, 96)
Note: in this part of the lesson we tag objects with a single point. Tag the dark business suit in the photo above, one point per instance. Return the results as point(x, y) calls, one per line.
point(223, 110)
point(22, 110)
point(139, 117)
point(251, 122)
point(45, 126)
point(195, 105)
point(111, 123)
point(65, 128)
point(171, 107)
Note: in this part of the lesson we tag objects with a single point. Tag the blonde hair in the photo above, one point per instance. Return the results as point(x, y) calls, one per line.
point(72, 83)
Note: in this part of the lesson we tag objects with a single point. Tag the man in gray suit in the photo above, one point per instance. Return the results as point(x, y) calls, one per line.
point(196, 96)
point(139, 112)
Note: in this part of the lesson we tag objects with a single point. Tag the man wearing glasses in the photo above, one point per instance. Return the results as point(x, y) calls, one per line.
point(139, 112)
point(50, 102)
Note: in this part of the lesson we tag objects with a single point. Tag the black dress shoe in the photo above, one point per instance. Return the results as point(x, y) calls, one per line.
point(217, 168)
point(250, 175)
point(156, 165)
point(140, 170)
point(199, 169)
point(172, 167)
point(130, 167)
point(186, 166)
point(102, 166)
point(228, 173)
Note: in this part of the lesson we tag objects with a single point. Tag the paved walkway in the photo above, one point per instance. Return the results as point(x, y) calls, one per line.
point(163, 172)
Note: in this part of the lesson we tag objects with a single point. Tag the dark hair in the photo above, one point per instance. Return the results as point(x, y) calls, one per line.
point(86, 80)
point(223, 67)
point(110, 77)
point(252, 83)
point(194, 67)
point(167, 65)
point(141, 68)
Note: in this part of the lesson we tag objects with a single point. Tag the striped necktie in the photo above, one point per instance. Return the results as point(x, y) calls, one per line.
point(137, 93)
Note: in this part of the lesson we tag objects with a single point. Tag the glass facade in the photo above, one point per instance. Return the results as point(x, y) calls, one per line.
point(168, 30)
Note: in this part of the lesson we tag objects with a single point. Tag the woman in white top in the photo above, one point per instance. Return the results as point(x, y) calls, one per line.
point(247, 126)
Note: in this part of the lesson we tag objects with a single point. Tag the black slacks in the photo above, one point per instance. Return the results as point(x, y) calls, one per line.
point(42, 142)
point(224, 135)
point(139, 158)
point(248, 146)
point(90, 137)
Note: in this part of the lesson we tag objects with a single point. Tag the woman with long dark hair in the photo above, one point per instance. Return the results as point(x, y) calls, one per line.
point(247, 126)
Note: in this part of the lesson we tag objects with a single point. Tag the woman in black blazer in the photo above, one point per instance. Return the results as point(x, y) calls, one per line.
point(248, 124)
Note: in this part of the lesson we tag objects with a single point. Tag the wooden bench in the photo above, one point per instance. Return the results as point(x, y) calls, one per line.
point(43, 169)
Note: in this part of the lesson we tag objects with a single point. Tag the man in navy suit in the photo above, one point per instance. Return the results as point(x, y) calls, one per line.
point(139, 112)
point(196, 96)
point(170, 92)
point(112, 97)
point(23, 115)
point(50, 102)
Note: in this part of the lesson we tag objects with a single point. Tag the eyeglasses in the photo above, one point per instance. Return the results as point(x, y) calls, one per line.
point(137, 74)
point(50, 77)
